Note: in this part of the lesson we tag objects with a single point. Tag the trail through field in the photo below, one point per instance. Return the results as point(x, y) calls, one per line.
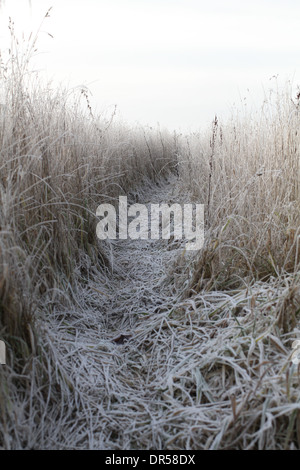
point(149, 368)
point(111, 342)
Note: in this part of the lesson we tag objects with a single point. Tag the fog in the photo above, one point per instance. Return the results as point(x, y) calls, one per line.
point(174, 62)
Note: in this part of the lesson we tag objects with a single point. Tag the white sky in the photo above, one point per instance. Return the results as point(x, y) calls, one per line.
point(176, 62)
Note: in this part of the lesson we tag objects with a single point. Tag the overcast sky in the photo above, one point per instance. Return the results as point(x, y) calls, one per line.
point(176, 62)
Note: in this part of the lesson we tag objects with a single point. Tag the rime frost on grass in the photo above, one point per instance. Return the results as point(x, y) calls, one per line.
point(143, 367)
point(139, 345)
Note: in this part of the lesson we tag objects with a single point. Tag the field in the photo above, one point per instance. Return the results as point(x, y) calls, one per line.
point(135, 344)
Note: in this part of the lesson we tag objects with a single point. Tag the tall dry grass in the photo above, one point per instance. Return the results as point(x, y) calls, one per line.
point(58, 162)
point(215, 364)
point(246, 172)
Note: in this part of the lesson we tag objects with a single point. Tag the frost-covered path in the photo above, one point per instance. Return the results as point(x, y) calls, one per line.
point(109, 342)
point(141, 366)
